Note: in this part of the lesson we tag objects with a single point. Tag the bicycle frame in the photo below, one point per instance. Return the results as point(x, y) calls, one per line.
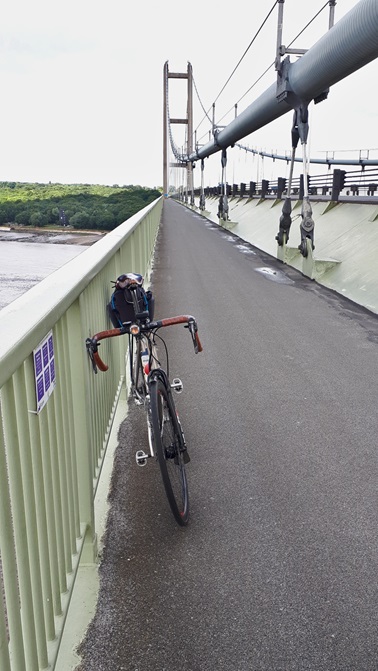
point(143, 358)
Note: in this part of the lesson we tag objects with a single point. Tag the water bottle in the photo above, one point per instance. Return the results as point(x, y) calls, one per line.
point(145, 361)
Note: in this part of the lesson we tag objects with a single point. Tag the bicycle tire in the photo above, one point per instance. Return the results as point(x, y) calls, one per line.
point(169, 446)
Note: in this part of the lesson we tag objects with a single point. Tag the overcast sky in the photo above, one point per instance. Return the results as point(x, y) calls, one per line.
point(82, 85)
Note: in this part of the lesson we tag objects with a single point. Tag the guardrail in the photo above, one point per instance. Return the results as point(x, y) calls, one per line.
point(338, 185)
point(56, 418)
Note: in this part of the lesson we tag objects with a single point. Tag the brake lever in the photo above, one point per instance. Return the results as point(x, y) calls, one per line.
point(192, 326)
point(90, 350)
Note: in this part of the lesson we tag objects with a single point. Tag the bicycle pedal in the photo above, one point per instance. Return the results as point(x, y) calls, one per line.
point(141, 458)
point(177, 385)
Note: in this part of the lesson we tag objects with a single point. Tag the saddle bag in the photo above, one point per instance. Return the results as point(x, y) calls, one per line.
point(121, 306)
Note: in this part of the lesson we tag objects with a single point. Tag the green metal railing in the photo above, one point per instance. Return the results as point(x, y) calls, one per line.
point(56, 418)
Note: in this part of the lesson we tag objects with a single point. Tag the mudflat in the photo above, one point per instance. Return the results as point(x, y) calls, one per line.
point(51, 236)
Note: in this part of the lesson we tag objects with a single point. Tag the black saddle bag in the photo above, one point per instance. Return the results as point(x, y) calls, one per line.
point(121, 306)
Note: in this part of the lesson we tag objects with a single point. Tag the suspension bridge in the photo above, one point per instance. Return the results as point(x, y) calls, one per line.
point(277, 568)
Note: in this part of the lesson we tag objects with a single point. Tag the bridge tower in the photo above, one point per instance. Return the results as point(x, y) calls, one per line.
point(167, 121)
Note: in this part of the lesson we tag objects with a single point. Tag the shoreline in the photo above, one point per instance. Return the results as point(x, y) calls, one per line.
point(64, 236)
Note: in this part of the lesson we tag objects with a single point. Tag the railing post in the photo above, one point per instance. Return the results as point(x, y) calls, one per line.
point(281, 186)
point(83, 453)
point(4, 653)
point(41, 507)
point(9, 570)
point(264, 187)
point(34, 529)
point(338, 182)
point(20, 525)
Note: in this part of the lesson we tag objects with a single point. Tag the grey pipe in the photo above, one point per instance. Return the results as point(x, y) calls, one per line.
point(346, 47)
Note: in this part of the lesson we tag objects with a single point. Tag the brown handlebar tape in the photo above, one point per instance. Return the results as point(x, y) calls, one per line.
point(99, 362)
point(199, 344)
point(111, 333)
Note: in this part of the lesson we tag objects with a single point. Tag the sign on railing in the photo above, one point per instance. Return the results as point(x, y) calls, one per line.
point(44, 370)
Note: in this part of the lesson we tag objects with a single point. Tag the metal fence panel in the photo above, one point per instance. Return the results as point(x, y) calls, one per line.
point(51, 457)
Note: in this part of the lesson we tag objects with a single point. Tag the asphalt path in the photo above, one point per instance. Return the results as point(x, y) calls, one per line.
point(277, 569)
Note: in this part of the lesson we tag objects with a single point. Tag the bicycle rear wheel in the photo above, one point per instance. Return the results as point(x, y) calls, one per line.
point(170, 448)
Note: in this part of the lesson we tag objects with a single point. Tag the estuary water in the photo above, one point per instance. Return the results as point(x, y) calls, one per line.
point(27, 258)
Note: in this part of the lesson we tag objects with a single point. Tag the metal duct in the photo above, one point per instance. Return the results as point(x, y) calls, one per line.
point(346, 47)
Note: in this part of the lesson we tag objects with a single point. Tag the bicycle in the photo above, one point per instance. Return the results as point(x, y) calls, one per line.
point(150, 386)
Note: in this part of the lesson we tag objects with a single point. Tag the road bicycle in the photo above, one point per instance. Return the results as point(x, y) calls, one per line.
point(151, 387)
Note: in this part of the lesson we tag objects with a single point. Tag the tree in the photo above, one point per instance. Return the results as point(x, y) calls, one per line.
point(38, 219)
point(80, 220)
point(3, 216)
point(23, 218)
point(106, 221)
point(96, 206)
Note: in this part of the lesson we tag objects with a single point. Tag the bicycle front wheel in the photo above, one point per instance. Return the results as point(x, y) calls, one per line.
point(170, 447)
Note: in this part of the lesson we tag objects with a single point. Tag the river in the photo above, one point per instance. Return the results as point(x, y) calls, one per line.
point(26, 258)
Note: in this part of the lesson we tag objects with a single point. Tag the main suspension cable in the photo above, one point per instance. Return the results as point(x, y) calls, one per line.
point(200, 102)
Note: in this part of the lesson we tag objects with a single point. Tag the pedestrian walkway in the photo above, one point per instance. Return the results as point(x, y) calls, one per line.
point(277, 568)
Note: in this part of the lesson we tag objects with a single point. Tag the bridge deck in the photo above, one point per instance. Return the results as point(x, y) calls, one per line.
point(278, 567)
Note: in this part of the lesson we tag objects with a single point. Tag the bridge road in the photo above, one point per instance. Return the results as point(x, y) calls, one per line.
point(277, 570)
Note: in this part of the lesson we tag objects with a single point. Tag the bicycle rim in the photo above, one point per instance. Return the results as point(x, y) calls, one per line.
point(169, 446)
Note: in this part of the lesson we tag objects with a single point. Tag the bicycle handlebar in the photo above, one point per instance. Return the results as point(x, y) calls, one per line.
point(93, 343)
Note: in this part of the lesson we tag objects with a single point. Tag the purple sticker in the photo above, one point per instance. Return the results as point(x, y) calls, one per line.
point(51, 347)
point(38, 362)
point(47, 379)
point(45, 353)
point(44, 371)
point(40, 388)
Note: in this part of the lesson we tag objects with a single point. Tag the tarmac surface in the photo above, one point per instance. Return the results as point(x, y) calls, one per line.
point(277, 569)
